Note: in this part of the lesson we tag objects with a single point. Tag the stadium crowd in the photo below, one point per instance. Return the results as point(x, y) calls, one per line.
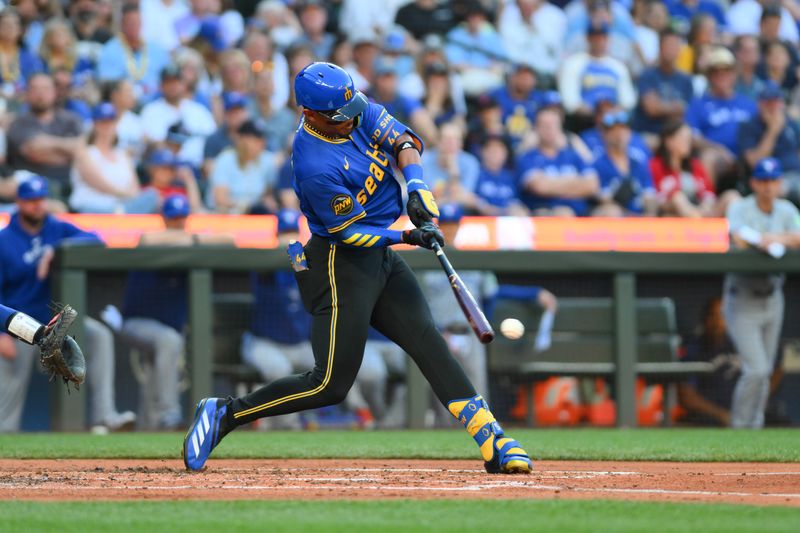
point(581, 108)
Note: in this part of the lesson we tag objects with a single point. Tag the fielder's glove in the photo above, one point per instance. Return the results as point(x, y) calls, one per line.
point(421, 207)
point(60, 355)
point(424, 236)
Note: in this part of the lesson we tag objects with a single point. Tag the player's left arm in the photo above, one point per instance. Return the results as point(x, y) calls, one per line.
point(400, 141)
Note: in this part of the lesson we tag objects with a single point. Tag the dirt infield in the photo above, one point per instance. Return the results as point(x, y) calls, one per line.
point(752, 483)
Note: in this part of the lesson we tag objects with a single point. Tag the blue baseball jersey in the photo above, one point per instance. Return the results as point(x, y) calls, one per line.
point(343, 181)
point(160, 295)
point(638, 173)
point(20, 253)
point(565, 162)
point(497, 188)
point(278, 312)
point(718, 119)
point(518, 115)
point(637, 148)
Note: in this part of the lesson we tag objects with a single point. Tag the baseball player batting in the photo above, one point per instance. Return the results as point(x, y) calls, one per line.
point(349, 277)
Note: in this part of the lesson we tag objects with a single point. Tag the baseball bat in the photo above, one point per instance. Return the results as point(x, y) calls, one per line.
point(483, 330)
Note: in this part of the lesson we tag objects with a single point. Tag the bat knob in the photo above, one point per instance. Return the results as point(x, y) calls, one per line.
point(487, 337)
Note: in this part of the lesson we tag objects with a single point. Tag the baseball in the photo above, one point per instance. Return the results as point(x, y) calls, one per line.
point(511, 328)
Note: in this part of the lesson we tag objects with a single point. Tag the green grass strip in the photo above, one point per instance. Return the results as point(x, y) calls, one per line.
point(717, 445)
point(394, 515)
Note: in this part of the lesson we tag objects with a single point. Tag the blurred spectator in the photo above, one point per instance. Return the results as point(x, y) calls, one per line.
point(519, 100)
point(89, 27)
point(143, 62)
point(59, 51)
point(167, 176)
point(18, 63)
point(174, 106)
point(748, 57)
point(716, 116)
point(365, 54)
point(604, 102)
point(487, 119)
point(44, 139)
point(777, 67)
point(626, 186)
point(553, 179)
point(744, 17)
point(432, 55)
point(406, 110)
point(651, 19)
point(439, 100)
point(377, 16)
point(683, 186)
point(235, 105)
point(130, 131)
point(769, 31)
point(159, 18)
point(664, 92)
point(476, 51)
point(579, 18)
point(26, 254)
point(533, 33)
point(264, 58)
point(702, 35)
point(683, 11)
point(587, 72)
point(231, 23)
point(104, 178)
point(235, 72)
point(275, 17)
point(313, 16)
point(278, 122)
point(155, 309)
point(707, 399)
point(71, 98)
point(199, 86)
point(621, 34)
point(450, 172)
point(424, 17)
point(244, 178)
point(772, 134)
point(32, 13)
point(191, 24)
point(496, 193)
point(398, 46)
point(298, 57)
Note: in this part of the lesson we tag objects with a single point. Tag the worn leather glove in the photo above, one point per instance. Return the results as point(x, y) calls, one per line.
point(424, 236)
point(421, 207)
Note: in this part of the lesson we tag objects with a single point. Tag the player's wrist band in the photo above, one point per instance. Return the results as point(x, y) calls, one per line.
point(413, 175)
point(405, 145)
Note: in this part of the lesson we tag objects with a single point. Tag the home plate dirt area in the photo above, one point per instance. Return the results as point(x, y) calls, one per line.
point(124, 479)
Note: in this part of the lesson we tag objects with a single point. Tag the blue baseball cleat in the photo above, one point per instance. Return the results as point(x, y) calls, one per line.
point(509, 458)
point(205, 432)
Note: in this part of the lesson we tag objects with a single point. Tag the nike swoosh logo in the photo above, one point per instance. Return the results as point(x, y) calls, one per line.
point(346, 164)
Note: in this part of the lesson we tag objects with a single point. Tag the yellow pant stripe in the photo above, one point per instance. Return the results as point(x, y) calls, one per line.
point(362, 240)
point(372, 241)
point(331, 347)
point(481, 418)
point(352, 239)
point(487, 449)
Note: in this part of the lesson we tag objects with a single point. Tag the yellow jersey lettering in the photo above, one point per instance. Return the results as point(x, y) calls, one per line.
point(376, 135)
point(378, 156)
point(376, 171)
point(370, 185)
point(361, 197)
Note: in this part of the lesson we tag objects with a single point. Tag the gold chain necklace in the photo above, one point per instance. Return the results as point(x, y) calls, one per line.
point(315, 130)
point(135, 72)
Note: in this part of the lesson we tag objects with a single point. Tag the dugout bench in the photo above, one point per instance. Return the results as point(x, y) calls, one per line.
point(583, 345)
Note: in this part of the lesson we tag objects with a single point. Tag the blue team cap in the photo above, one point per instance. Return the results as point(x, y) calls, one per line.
point(161, 158)
point(233, 100)
point(385, 66)
point(550, 99)
point(176, 206)
point(770, 91)
point(767, 169)
point(211, 32)
point(598, 95)
point(288, 220)
point(450, 213)
point(32, 188)
point(599, 27)
point(395, 41)
point(104, 111)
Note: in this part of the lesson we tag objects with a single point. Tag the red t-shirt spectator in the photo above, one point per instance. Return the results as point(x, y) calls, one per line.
point(694, 183)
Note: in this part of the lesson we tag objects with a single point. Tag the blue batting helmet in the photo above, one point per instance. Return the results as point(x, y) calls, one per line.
point(329, 89)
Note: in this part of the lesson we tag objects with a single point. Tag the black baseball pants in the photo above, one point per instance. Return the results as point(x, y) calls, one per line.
point(347, 289)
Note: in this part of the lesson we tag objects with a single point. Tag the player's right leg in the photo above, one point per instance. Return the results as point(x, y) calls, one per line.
point(403, 315)
point(339, 289)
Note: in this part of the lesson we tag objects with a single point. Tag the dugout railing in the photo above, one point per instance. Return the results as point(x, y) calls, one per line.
point(73, 265)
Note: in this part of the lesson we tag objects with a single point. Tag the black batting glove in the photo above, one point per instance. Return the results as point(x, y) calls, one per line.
point(416, 210)
point(424, 236)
